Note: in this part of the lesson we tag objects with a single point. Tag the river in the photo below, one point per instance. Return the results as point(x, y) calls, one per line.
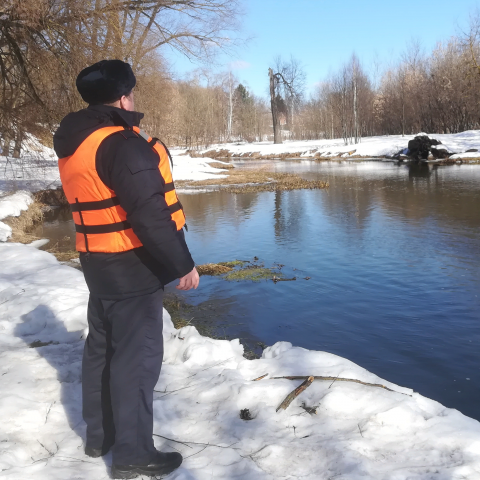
point(392, 254)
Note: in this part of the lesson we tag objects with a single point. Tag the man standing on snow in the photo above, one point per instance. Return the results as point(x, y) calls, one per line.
point(129, 232)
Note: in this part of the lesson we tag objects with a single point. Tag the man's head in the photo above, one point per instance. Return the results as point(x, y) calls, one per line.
point(107, 82)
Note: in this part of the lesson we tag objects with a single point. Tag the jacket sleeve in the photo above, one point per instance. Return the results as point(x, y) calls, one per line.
point(130, 168)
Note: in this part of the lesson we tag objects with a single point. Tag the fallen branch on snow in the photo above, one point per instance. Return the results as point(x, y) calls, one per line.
point(290, 397)
point(338, 379)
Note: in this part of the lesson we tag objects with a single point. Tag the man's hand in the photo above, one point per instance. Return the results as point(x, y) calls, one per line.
point(189, 281)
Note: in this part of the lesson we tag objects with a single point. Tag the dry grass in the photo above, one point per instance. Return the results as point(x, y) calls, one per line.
point(253, 273)
point(225, 166)
point(23, 225)
point(213, 269)
point(63, 256)
point(52, 197)
point(183, 314)
point(246, 181)
point(245, 271)
point(234, 263)
point(62, 250)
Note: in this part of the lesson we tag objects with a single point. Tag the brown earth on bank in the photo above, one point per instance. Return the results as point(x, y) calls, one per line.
point(52, 197)
point(23, 225)
point(224, 154)
point(318, 156)
point(453, 161)
point(246, 181)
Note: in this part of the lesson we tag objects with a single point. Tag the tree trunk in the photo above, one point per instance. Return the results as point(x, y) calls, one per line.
point(230, 107)
point(17, 148)
point(277, 135)
point(355, 106)
point(6, 145)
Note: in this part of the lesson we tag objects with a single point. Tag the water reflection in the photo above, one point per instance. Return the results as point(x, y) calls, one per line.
point(420, 170)
point(289, 216)
point(57, 226)
point(393, 256)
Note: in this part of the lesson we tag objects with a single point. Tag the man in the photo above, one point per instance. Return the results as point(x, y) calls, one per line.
point(129, 226)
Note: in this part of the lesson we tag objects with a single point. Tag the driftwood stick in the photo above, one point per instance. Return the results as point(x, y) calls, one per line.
point(259, 378)
point(289, 398)
point(338, 379)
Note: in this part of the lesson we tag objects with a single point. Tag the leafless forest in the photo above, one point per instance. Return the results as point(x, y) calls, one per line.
point(45, 43)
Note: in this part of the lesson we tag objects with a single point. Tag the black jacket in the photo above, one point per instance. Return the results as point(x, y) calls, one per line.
point(129, 166)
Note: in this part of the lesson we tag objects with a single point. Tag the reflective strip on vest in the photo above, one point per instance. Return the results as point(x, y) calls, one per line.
point(100, 222)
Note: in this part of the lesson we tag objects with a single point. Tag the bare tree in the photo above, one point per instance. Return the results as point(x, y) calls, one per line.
point(471, 41)
point(44, 43)
point(286, 90)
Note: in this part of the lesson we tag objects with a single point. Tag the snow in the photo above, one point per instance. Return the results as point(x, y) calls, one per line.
point(12, 205)
point(34, 172)
point(359, 432)
point(36, 169)
point(465, 155)
point(380, 146)
point(188, 168)
point(30, 173)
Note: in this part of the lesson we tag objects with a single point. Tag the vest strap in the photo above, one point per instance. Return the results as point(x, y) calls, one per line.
point(169, 187)
point(167, 150)
point(98, 205)
point(108, 228)
point(83, 225)
point(175, 207)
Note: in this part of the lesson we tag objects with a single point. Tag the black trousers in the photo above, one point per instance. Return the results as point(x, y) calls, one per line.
point(121, 365)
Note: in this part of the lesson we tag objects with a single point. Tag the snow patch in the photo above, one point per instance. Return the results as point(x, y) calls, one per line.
point(358, 432)
point(12, 206)
point(188, 168)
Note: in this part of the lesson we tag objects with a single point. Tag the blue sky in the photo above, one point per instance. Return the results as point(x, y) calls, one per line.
point(322, 34)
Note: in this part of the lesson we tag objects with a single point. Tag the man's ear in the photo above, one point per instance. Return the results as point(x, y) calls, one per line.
point(123, 102)
point(126, 102)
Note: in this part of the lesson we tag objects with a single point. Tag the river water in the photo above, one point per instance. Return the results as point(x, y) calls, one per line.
point(393, 256)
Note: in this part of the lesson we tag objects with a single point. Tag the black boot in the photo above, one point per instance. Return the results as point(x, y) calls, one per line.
point(96, 452)
point(163, 464)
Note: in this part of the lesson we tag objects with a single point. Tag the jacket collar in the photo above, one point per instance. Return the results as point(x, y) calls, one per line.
point(77, 126)
point(118, 116)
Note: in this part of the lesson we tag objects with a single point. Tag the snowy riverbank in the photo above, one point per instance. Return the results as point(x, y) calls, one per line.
point(37, 168)
point(358, 431)
point(34, 173)
point(369, 147)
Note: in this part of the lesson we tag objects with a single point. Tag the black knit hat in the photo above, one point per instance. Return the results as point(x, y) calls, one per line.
point(105, 82)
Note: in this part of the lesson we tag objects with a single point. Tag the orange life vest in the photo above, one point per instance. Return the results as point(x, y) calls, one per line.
point(100, 222)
